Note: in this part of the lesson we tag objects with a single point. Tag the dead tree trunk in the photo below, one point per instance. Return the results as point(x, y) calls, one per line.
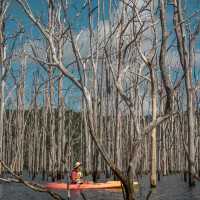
point(60, 130)
point(3, 9)
point(187, 63)
point(153, 178)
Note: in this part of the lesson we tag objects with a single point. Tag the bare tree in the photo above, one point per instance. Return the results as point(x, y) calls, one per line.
point(3, 11)
point(186, 54)
point(162, 58)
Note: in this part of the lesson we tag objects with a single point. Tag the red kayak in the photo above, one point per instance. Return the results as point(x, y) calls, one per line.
point(87, 185)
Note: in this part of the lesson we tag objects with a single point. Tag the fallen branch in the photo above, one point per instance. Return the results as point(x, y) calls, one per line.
point(32, 186)
point(9, 180)
point(149, 194)
point(196, 177)
point(83, 195)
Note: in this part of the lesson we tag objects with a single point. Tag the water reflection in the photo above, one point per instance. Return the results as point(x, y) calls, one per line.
point(169, 188)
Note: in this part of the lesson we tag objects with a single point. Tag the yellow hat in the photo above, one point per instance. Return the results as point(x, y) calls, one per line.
point(77, 164)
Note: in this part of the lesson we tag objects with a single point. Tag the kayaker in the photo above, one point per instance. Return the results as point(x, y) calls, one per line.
point(76, 174)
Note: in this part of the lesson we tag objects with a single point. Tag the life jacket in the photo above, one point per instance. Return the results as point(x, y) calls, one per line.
point(75, 176)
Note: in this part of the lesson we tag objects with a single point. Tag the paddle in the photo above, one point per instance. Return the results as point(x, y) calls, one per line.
point(68, 182)
point(68, 179)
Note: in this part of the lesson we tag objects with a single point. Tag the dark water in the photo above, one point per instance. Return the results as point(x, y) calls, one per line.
point(169, 188)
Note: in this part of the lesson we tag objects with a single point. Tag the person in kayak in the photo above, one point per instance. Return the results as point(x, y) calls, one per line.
point(76, 174)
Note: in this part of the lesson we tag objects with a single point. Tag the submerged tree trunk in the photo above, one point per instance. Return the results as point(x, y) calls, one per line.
point(187, 61)
point(2, 74)
point(153, 178)
point(191, 135)
point(2, 86)
point(59, 130)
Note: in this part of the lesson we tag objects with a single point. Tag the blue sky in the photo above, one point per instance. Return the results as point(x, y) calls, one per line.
point(77, 14)
point(78, 17)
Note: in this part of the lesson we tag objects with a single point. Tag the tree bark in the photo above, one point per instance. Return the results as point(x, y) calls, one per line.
point(187, 62)
point(153, 178)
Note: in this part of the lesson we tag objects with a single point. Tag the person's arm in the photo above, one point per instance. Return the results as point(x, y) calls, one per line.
point(73, 176)
point(81, 174)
